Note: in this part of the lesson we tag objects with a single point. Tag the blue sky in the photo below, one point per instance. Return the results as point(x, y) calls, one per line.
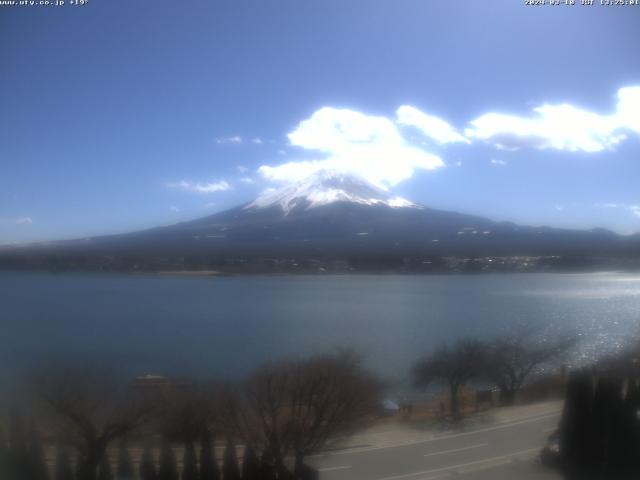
point(121, 115)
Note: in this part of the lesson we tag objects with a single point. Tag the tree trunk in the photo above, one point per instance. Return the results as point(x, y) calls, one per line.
point(455, 409)
point(298, 467)
point(89, 468)
point(93, 456)
point(302, 471)
point(281, 469)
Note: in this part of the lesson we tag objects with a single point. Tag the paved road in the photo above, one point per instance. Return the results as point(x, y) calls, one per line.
point(496, 452)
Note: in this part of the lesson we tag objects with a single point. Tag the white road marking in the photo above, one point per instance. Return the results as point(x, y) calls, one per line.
point(496, 461)
point(436, 439)
point(456, 449)
point(436, 477)
point(460, 465)
point(330, 469)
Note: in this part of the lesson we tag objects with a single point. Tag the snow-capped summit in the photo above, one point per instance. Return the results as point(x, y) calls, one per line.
point(325, 187)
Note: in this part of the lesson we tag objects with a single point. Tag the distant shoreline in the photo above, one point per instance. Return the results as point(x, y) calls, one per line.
point(190, 273)
point(213, 266)
point(381, 273)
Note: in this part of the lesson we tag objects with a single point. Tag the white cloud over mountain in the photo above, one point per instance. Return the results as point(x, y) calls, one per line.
point(561, 127)
point(432, 127)
point(383, 151)
point(350, 141)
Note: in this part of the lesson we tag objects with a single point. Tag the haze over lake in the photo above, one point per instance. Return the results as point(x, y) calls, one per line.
point(224, 326)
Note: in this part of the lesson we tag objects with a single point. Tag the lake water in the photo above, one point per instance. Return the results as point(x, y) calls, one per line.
point(224, 326)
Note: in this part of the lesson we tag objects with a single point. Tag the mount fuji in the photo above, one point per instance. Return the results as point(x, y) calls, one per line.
point(330, 215)
point(326, 187)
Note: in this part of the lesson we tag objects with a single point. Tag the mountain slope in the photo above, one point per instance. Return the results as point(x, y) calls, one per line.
point(337, 216)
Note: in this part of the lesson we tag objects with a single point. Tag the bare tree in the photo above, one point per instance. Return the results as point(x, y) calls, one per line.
point(147, 467)
point(230, 465)
point(37, 463)
point(190, 463)
point(512, 359)
point(208, 464)
point(4, 455)
point(192, 415)
point(330, 396)
point(18, 454)
point(298, 407)
point(125, 470)
point(453, 366)
point(168, 469)
point(105, 472)
point(250, 464)
point(91, 409)
point(184, 414)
